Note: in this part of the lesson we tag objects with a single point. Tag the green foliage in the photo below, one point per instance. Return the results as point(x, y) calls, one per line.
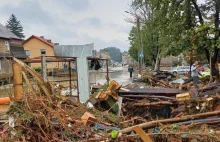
point(115, 53)
point(176, 26)
point(37, 69)
point(14, 25)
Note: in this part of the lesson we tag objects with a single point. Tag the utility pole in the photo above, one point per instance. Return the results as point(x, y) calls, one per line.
point(43, 67)
point(140, 48)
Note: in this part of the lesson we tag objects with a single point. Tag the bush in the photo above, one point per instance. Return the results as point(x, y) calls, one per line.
point(37, 69)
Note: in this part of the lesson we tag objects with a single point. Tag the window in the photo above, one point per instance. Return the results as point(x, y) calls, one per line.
point(27, 52)
point(43, 51)
point(6, 46)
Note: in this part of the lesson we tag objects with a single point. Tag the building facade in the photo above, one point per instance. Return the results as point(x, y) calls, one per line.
point(10, 46)
point(126, 59)
point(37, 46)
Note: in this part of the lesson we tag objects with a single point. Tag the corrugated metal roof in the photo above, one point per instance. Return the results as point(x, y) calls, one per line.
point(5, 33)
point(74, 50)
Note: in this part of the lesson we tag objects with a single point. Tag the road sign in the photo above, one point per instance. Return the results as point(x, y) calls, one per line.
point(141, 54)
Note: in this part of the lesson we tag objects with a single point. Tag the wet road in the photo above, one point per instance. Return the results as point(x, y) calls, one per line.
point(120, 75)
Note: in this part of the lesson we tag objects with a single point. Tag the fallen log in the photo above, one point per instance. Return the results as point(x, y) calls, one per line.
point(200, 121)
point(171, 120)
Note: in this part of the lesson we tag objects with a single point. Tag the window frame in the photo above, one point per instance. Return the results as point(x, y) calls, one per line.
point(45, 51)
point(7, 46)
point(26, 52)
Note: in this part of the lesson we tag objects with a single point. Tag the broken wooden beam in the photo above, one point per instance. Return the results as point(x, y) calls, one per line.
point(156, 81)
point(146, 104)
point(171, 120)
point(149, 96)
point(152, 91)
point(142, 134)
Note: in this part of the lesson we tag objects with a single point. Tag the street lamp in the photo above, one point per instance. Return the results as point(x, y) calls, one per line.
point(140, 48)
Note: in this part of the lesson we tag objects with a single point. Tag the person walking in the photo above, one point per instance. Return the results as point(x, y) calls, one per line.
point(194, 75)
point(130, 69)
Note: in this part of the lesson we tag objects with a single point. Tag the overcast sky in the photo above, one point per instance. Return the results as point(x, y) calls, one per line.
point(72, 21)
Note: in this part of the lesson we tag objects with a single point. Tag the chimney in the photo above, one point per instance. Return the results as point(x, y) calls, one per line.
point(56, 43)
point(49, 40)
point(41, 36)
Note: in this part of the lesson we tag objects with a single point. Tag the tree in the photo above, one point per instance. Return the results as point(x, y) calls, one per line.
point(115, 53)
point(150, 13)
point(14, 25)
point(178, 26)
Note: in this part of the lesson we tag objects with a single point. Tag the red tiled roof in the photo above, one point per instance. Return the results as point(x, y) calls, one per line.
point(41, 39)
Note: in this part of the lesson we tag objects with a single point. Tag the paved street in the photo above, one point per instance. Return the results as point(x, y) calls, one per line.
point(121, 76)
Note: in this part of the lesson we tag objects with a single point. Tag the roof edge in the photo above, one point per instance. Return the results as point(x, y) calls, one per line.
point(33, 36)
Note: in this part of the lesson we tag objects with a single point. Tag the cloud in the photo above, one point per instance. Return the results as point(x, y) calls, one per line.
point(72, 21)
point(90, 22)
point(13, 3)
point(30, 13)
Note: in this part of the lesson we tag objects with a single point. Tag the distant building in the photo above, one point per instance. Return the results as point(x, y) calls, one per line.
point(103, 55)
point(10, 46)
point(126, 58)
point(168, 61)
point(172, 60)
point(36, 46)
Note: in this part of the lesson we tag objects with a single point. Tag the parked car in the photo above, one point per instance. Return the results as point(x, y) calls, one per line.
point(180, 70)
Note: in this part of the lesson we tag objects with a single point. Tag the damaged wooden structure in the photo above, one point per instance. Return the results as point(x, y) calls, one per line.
point(44, 59)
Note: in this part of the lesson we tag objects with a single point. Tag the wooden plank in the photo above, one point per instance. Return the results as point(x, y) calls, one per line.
point(146, 104)
point(148, 96)
point(152, 91)
point(142, 134)
point(18, 84)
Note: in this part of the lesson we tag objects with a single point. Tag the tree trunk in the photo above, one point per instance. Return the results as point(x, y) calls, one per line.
point(198, 11)
point(216, 49)
point(211, 70)
point(214, 58)
point(157, 61)
point(207, 54)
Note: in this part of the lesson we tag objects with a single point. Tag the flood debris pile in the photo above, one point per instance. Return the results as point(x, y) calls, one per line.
point(39, 118)
point(41, 115)
point(167, 111)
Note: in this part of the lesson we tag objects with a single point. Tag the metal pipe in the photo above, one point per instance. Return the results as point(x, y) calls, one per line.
point(70, 78)
point(77, 82)
point(107, 71)
point(43, 68)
